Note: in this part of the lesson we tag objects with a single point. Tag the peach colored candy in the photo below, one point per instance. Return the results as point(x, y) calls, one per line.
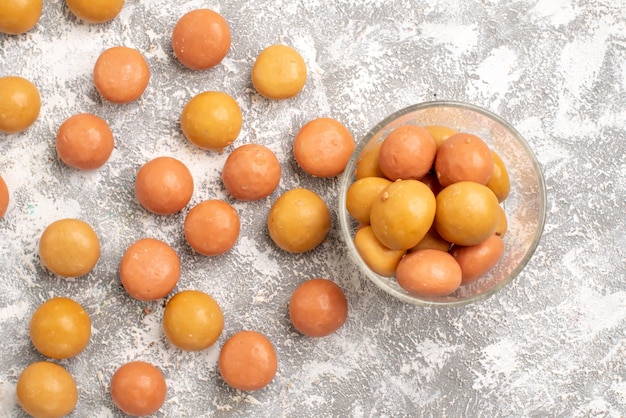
point(121, 74)
point(212, 227)
point(251, 172)
point(323, 147)
point(318, 307)
point(407, 152)
point(164, 185)
point(201, 39)
point(4, 197)
point(248, 361)
point(138, 388)
point(84, 141)
point(149, 269)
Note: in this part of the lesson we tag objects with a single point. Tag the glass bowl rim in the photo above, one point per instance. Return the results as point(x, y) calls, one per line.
point(344, 217)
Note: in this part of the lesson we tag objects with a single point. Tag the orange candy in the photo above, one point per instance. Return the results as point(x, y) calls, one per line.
point(60, 328)
point(4, 197)
point(20, 104)
point(19, 16)
point(201, 39)
point(69, 247)
point(84, 141)
point(46, 389)
point(192, 320)
point(212, 227)
point(95, 11)
point(279, 72)
point(323, 147)
point(407, 152)
point(138, 388)
point(211, 120)
point(149, 269)
point(121, 74)
point(251, 172)
point(248, 361)
point(164, 185)
point(463, 157)
point(429, 272)
point(318, 307)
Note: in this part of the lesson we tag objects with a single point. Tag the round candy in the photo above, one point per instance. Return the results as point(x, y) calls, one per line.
point(84, 141)
point(279, 72)
point(402, 214)
point(467, 213)
point(298, 221)
point(251, 172)
point(192, 320)
point(149, 269)
point(95, 11)
point(19, 104)
point(463, 157)
point(477, 260)
point(248, 361)
point(4, 197)
point(211, 120)
point(19, 16)
point(138, 388)
point(429, 272)
point(407, 152)
point(164, 185)
point(323, 147)
point(60, 328)
point(212, 227)
point(201, 39)
point(69, 248)
point(318, 307)
point(121, 74)
point(46, 389)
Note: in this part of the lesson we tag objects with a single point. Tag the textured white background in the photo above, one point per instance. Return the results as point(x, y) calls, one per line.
point(552, 344)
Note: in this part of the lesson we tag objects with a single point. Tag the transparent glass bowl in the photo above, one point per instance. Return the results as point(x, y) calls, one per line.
point(525, 206)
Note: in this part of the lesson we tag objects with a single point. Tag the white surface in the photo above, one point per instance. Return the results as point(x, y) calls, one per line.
point(554, 343)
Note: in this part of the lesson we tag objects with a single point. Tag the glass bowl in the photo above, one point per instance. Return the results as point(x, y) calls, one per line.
point(525, 206)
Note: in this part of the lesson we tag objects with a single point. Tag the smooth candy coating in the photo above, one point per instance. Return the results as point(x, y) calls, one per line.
point(20, 104)
point(95, 11)
point(201, 39)
point(251, 172)
point(212, 227)
point(19, 16)
point(4, 197)
point(60, 328)
point(164, 185)
point(192, 320)
point(323, 146)
point(84, 141)
point(46, 389)
point(69, 248)
point(279, 72)
point(299, 220)
point(211, 120)
point(121, 74)
point(149, 269)
point(248, 361)
point(138, 388)
point(318, 307)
